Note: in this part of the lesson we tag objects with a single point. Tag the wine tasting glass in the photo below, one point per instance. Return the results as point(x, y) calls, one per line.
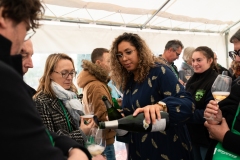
point(220, 89)
point(96, 141)
point(188, 73)
point(88, 110)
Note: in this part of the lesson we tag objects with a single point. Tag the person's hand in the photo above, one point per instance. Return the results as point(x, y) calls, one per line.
point(86, 127)
point(180, 81)
point(99, 157)
point(77, 154)
point(217, 132)
point(212, 110)
point(119, 101)
point(152, 111)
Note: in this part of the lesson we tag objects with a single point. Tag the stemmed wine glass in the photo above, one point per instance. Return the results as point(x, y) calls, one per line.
point(220, 89)
point(96, 141)
point(188, 73)
point(88, 110)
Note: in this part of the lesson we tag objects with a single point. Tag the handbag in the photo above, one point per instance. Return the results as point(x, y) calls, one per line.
point(222, 154)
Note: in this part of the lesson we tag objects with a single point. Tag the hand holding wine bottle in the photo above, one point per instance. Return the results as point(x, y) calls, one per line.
point(152, 111)
point(137, 123)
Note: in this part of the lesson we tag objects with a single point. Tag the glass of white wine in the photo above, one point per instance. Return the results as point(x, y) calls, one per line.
point(96, 141)
point(188, 73)
point(88, 110)
point(221, 88)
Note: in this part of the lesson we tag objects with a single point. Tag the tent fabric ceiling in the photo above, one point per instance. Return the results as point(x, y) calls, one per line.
point(210, 16)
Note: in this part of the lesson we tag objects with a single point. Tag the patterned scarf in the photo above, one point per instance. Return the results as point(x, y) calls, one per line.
point(70, 101)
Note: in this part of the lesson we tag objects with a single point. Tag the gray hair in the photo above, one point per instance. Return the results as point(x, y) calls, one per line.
point(175, 44)
point(187, 53)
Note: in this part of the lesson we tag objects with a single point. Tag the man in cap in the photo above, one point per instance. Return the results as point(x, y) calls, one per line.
point(219, 129)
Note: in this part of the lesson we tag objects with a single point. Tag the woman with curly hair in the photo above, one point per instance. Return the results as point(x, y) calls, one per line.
point(145, 82)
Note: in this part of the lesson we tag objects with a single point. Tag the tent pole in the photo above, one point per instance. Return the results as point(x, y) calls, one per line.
point(226, 44)
point(227, 30)
point(144, 25)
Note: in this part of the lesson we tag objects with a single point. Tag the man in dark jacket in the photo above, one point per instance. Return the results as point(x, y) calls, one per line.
point(219, 130)
point(172, 51)
point(24, 135)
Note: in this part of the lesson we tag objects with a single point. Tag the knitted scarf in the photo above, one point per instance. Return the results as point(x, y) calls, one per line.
point(70, 101)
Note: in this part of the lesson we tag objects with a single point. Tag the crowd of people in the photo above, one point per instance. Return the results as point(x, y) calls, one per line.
point(47, 123)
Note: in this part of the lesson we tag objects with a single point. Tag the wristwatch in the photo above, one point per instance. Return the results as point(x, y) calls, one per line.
point(163, 105)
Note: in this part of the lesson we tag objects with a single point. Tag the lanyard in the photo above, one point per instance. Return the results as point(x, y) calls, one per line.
point(174, 71)
point(65, 114)
point(232, 129)
point(50, 137)
point(220, 152)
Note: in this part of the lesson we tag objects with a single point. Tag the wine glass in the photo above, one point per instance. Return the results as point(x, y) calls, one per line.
point(88, 110)
point(96, 141)
point(220, 89)
point(188, 73)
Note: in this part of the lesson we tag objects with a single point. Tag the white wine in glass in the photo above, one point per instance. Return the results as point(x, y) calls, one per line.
point(188, 73)
point(218, 96)
point(96, 141)
point(221, 89)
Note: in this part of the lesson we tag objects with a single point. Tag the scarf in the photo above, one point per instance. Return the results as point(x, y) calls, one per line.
point(70, 101)
point(199, 85)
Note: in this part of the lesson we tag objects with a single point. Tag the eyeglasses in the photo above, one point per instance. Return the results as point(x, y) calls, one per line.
point(178, 54)
point(29, 35)
point(120, 55)
point(233, 54)
point(65, 74)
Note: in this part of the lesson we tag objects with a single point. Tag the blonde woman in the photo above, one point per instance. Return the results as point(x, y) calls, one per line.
point(56, 99)
point(145, 82)
point(186, 64)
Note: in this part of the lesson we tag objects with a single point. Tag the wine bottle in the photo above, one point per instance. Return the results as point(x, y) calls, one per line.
point(113, 113)
point(137, 123)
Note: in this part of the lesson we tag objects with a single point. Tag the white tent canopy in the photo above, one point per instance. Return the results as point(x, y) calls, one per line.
point(79, 26)
point(180, 15)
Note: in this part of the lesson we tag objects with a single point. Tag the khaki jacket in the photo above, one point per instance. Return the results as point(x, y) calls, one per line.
point(93, 80)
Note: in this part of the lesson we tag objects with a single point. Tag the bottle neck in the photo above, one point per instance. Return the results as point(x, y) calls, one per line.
point(108, 104)
point(109, 124)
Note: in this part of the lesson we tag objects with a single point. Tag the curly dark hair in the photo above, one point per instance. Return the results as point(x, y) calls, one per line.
point(29, 11)
point(119, 74)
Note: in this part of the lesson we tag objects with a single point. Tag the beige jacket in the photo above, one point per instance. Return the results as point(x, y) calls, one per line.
point(93, 79)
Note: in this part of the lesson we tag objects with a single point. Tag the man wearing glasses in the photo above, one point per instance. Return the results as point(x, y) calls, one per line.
point(172, 51)
point(227, 108)
point(23, 133)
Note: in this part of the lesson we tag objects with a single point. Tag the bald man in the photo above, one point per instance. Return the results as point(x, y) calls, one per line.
point(27, 52)
point(219, 67)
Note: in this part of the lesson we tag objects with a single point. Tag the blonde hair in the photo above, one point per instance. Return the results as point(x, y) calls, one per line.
point(187, 53)
point(45, 81)
point(119, 74)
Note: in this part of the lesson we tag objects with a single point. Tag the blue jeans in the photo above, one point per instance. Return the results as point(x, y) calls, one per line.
point(199, 153)
point(110, 152)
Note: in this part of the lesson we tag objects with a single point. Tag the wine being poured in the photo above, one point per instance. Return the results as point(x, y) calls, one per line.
point(137, 123)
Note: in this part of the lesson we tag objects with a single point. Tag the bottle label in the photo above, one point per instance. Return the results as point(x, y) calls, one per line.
point(111, 124)
point(160, 125)
point(145, 125)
